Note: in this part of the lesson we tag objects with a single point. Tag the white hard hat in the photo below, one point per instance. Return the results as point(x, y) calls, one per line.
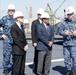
point(26, 21)
point(45, 15)
point(40, 11)
point(70, 10)
point(18, 14)
point(11, 7)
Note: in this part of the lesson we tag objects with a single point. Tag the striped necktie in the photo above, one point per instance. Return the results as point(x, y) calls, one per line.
point(48, 30)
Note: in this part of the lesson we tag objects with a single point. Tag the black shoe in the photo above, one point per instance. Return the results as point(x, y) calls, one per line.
point(34, 71)
point(6, 72)
point(69, 73)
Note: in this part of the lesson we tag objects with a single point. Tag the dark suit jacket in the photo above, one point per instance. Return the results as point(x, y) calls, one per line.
point(19, 40)
point(33, 30)
point(43, 37)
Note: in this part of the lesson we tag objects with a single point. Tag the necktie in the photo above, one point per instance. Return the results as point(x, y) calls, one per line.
point(48, 30)
point(22, 28)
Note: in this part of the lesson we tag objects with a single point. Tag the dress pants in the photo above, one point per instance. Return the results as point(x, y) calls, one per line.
point(35, 60)
point(44, 62)
point(18, 65)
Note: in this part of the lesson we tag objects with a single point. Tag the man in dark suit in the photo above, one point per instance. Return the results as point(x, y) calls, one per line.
point(34, 38)
point(19, 45)
point(45, 40)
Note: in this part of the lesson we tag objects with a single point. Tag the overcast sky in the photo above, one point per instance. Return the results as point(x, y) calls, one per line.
point(24, 5)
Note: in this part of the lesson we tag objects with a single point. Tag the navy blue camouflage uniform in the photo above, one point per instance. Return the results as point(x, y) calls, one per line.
point(69, 44)
point(6, 22)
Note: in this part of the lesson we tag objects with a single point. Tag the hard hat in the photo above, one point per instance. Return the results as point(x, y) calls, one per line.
point(40, 11)
point(26, 21)
point(70, 10)
point(18, 14)
point(11, 7)
point(45, 15)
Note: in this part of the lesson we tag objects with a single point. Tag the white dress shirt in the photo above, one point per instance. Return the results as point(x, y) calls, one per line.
point(18, 24)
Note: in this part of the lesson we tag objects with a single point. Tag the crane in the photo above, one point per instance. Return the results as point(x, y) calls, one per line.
point(59, 6)
point(53, 13)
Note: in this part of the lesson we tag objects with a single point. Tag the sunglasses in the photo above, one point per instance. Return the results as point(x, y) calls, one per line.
point(70, 14)
point(39, 14)
point(11, 10)
point(21, 17)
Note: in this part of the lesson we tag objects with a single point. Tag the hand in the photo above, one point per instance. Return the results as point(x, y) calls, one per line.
point(35, 44)
point(4, 36)
point(50, 44)
point(67, 32)
point(26, 48)
point(74, 32)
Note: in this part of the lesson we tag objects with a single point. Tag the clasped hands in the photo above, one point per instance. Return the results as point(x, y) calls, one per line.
point(69, 33)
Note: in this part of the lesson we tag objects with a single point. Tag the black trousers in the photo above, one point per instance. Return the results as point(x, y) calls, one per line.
point(18, 65)
point(35, 60)
point(44, 62)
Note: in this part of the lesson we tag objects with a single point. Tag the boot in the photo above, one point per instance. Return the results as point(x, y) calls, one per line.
point(69, 73)
point(74, 72)
point(6, 72)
